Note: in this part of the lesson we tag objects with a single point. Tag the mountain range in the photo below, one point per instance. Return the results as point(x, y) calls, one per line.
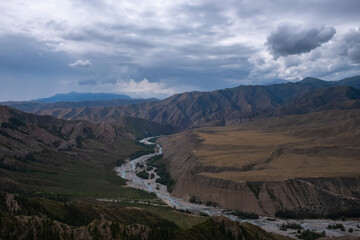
point(57, 161)
point(77, 97)
point(192, 109)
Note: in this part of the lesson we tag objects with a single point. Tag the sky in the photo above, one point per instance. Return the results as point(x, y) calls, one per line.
point(159, 48)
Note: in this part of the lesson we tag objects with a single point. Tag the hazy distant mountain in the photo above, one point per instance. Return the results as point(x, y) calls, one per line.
point(207, 108)
point(38, 107)
point(277, 81)
point(77, 97)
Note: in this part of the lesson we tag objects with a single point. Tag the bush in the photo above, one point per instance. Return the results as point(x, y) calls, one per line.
point(336, 226)
point(139, 165)
point(210, 203)
point(245, 215)
point(119, 162)
point(161, 171)
point(193, 199)
point(143, 175)
point(294, 226)
point(141, 153)
point(310, 235)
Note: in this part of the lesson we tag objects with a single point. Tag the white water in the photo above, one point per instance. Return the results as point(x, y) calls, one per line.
point(129, 169)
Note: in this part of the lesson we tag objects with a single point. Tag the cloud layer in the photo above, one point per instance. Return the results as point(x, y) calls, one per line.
point(81, 63)
point(293, 39)
point(179, 45)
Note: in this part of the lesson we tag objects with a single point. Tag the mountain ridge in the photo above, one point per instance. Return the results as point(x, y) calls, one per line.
point(76, 97)
point(191, 109)
point(214, 108)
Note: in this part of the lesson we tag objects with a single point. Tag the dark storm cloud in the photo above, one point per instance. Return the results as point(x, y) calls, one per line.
point(204, 44)
point(291, 39)
point(352, 45)
point(25, 55)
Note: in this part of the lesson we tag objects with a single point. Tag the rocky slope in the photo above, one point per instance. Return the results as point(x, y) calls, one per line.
point(310, 196)
point(36, 218)
point(39, 151)
point(205, 108)
point(340, 97)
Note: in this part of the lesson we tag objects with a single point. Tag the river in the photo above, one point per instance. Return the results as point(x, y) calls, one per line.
point(129, 169)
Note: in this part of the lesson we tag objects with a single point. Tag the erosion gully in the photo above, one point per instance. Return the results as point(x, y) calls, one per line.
point(128, 172)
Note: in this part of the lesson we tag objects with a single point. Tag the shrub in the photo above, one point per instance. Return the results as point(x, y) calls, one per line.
point(310, 235)
point(143, 175)
point(245, 215)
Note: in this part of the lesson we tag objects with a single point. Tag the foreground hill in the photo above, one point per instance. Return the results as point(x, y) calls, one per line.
point(193, 109)
point(295, 166)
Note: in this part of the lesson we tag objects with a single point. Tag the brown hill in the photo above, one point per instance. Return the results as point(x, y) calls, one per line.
point(204, 108)
point(38, 149)
point(304, 164)
point(341, 97)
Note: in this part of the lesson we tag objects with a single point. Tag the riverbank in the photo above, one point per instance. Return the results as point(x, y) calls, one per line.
point(129, 170)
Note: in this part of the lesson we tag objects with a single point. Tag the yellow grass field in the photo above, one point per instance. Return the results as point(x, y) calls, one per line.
point(256, 155)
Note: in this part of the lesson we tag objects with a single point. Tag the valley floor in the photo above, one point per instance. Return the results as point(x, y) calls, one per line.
point(128, 171)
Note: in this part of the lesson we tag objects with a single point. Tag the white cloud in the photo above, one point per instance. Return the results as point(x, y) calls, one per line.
point(81, 63)
point(193, 43)
point(144, 88)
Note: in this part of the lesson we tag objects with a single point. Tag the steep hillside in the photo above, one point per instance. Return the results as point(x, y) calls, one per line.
point(37, 218)
point(303, 164)
point(43, 153)
point(206, 108)
point(57, 182)
point(342, 97)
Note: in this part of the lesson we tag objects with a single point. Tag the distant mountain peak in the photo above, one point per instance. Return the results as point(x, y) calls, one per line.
point(78, 97)
point(311, 80)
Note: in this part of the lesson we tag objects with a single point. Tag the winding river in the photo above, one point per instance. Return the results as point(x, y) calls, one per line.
point(129, 169)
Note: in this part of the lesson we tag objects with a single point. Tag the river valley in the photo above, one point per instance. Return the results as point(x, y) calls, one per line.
point(129, 172)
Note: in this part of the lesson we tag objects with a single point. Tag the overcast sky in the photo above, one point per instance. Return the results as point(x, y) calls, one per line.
point(158, 48)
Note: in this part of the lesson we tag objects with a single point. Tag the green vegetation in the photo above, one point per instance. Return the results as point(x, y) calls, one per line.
point(245, 215)
point(305, 213)
point(143, 174)
point(161, 171)
point(97, 220)
point(139, 165)
point(141, 153)
point(193, 199)
point(16, 122)
point(295, 226)
point(153, 140)
point(336, 226)
point(74, 174)
point(210, 203)
point(254, 188)
point(310, 235)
